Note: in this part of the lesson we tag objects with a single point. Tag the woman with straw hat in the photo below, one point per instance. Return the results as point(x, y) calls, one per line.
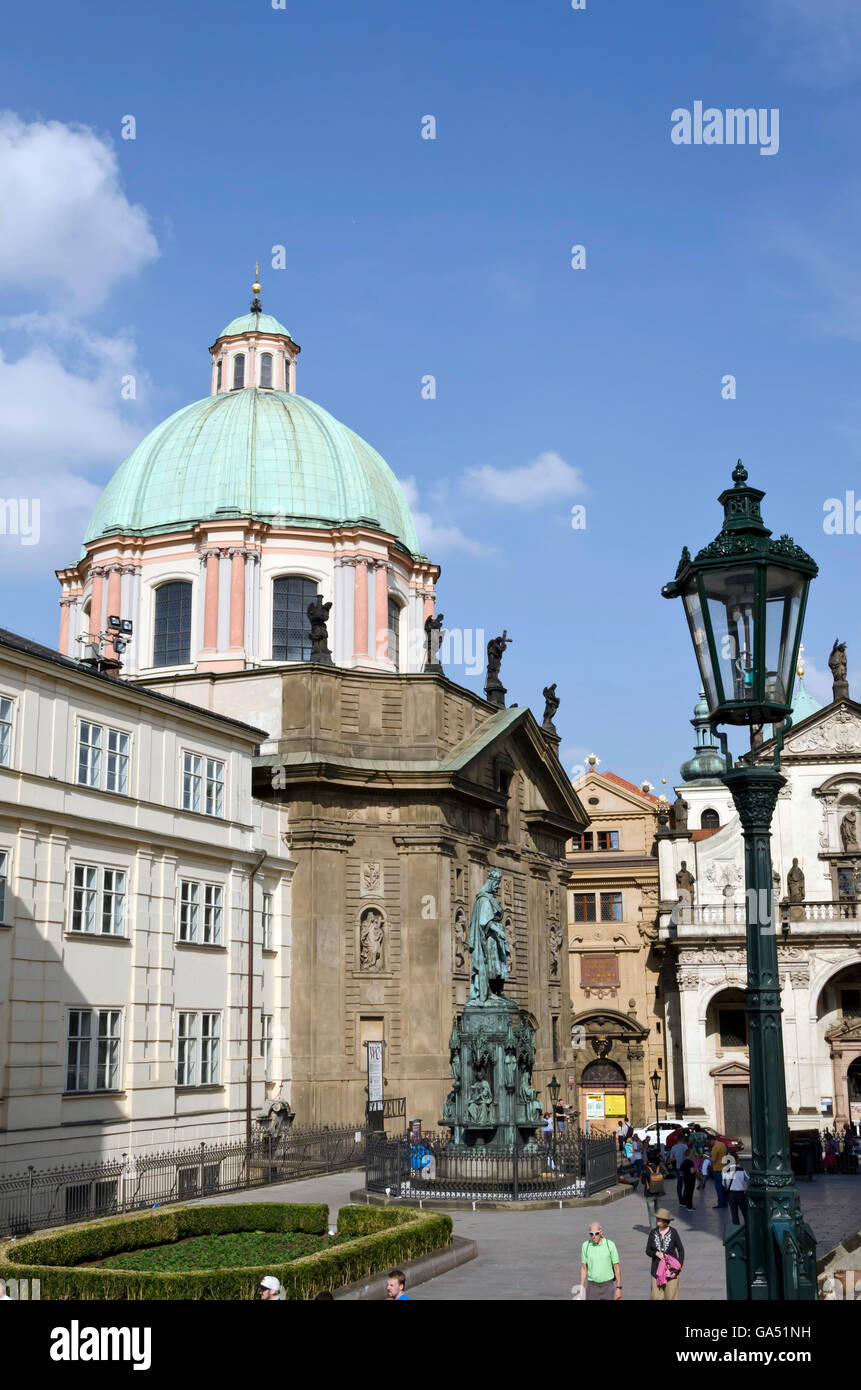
point(667, 1255)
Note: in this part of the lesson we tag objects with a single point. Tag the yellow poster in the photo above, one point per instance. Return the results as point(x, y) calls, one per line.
point(615, 1105)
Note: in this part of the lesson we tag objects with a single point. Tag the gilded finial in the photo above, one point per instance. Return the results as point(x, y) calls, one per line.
point(256, 287)
point(799, 670)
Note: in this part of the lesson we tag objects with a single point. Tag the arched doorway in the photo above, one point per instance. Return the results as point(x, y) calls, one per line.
point(604, 1095)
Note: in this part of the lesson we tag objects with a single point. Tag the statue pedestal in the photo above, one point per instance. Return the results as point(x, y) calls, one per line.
point(492, 1105)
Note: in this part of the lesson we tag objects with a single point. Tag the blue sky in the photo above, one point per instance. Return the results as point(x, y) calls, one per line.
point(258, 127)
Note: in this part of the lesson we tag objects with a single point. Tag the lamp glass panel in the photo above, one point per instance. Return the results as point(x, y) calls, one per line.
point(784, 590)
point(696, 623)
point(730, 602)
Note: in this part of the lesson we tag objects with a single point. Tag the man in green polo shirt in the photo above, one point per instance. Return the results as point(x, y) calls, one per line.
point(600, 1274)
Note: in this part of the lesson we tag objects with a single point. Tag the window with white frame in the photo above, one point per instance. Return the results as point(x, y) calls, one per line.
point(194, 926)
point(197, 1048)
point(103, 758)
point(266, 921)
point(6, 712)
point(4, 882)
point(202, 784)
point(98, 900)
point(266, 1045)
point(93, 1038)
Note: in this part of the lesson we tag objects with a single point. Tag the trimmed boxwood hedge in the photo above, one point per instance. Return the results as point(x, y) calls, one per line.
point(379, 1237)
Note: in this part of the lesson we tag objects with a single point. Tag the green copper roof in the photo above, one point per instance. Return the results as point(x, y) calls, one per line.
point(264, 455)
point(254, 323)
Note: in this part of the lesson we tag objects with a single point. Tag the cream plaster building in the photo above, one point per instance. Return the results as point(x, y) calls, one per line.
point(614, 967)
point(818, 823)
point(128, 834)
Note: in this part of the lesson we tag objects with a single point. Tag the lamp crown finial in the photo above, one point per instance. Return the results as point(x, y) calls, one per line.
point(739, 474)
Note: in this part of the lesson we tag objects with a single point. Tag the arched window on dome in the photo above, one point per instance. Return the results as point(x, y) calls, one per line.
point(218, 375)
point(709, 820)
point(239, 371)
point(266, 369)
point(394, 632)
point(291, 626)
point(286, 372)
point(172, 627)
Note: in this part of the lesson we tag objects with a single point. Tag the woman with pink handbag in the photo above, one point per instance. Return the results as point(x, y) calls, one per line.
point(667, 1255)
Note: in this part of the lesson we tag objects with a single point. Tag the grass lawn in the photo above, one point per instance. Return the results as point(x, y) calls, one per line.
point(222, 1251)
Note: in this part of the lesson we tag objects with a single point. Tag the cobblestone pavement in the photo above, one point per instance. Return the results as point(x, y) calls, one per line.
point(535, 1255)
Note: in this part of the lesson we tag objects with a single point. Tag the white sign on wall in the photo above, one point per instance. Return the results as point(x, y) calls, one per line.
point(375, 1071)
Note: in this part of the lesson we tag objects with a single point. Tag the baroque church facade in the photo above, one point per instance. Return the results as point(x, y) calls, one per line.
point(395, 788)
point(816, 862)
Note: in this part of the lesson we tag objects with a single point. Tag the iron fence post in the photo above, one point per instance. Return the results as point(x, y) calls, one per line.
point(326, 1132)
point(515, 1173)
point(200, 1168)
point(30, 1197)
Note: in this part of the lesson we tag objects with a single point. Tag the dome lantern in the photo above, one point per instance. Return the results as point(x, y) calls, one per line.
point(254, 352)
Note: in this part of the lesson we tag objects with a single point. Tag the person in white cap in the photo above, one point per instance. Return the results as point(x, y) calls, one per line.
point(271, 1288)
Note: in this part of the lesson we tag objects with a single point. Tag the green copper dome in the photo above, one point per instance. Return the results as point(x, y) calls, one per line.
point(265, 455)
point(254, 323)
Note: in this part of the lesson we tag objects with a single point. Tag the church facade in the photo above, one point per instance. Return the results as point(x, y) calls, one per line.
point(816, 861)
point(397, 789)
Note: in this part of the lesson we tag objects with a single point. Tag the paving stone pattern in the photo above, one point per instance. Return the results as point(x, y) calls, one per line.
point(535, 1255)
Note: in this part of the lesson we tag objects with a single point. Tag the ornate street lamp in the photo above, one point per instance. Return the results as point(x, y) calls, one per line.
point(655, 1079)
point(745, 596)
point(554, 1087)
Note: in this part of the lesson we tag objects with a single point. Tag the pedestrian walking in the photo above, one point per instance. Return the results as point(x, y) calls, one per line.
point(271, 1290)
point(600, 1271)
point(395, 1286)
point(689, 1180)
point(697, 1145)
point(736, 1191)
point(667, 1255)
point(637, 1156)
point(718, 1158)
point(547, 1130)
point(677, 1153)
point(653, 1183)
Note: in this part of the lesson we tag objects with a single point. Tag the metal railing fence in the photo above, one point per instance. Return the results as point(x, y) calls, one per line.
point(39, 1198)
point(431, 1168)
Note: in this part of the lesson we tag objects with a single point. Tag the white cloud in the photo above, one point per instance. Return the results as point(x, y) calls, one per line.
point(821, 40)
point(59, 427)
point(433, 538)
point(67, 230)
point(544, 479)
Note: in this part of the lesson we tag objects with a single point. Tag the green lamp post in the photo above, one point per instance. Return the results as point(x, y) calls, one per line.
point(744, 597)
point(554, 1087)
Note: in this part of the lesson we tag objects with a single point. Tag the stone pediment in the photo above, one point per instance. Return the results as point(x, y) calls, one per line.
point(833, 731)
point(732, 1071)
point(846, 1033)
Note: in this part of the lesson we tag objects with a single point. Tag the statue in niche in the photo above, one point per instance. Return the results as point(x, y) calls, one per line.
point(685, 882)
point(448, 1108)
point(510, 1059)
point(680, 813)
point(318, 613)
point(460, 947)
point(555, 947)
point(480, 1109)
point(454, 1056)
point(487, 943)
point(795, 883)
point(529, 1098)
point(849, 832)
point(371, 940)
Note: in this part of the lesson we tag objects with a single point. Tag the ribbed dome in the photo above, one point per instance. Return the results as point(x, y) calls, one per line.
point(264, 455)
point(254, 323)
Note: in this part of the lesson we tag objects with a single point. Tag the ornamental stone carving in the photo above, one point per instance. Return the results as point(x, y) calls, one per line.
point(837, 733)
point(371, 937)
point(688, 980)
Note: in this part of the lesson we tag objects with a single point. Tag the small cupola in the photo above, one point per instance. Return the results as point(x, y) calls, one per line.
point(254, 351)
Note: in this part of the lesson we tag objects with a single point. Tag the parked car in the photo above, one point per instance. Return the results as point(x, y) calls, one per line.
point(733, 1146)
point(649, 1131)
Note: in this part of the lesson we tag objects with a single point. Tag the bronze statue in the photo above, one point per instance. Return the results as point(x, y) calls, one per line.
point(795, 883)
point(480, 1106)
point(487, 942)
point(494, 690)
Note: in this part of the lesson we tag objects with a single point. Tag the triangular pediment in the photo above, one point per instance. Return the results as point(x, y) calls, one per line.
point(728, 1071)
point(835, 730)
point(616, 795)
point(541, 762)
point(847, 1032)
